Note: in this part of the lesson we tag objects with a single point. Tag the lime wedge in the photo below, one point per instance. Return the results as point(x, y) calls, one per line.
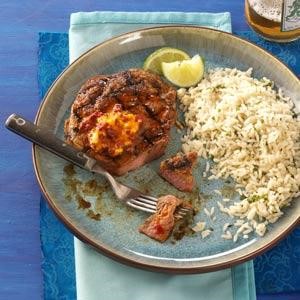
point(153, 61)
point(184, 73)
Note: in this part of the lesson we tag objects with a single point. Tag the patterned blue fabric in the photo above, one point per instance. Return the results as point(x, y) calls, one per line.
point(278, 270)
point(288, 53)
point(56, 241)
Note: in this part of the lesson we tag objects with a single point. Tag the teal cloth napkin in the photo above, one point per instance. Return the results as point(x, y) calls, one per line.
point(98, 277)
point(89, 29)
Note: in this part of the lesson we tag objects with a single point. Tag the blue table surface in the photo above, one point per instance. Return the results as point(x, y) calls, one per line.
point(20, 22)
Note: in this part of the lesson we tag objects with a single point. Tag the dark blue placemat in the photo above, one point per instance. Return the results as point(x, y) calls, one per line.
point(57, 242)
point(278, 270)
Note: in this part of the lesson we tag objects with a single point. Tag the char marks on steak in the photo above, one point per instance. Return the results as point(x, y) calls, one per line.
point(178, 170)
point(134, 92)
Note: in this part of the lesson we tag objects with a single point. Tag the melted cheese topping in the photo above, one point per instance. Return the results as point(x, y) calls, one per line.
point(114, 131)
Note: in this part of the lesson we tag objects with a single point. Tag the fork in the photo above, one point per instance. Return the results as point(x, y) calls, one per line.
point(47, 140)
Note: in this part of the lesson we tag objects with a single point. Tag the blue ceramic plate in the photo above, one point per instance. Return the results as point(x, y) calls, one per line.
point(110, 226)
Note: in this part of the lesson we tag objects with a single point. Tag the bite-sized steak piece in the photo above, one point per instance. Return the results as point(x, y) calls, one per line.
point(178, 170)
point(160, 225)
point(123, 120)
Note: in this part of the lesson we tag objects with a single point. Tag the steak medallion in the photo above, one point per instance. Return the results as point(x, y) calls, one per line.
point(122, 120)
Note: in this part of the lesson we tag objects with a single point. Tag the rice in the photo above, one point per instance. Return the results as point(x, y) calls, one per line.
point(226, 199)
point(252, 134)
point(227, 235)
point(218, 192)
point(205, 233)
point(207, 212)
point(225, 226)
point(200, 226)
point(207, 167)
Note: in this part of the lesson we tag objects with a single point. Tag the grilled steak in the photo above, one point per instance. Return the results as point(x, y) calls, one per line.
point(122, 120)
point(178, 170)
point(160, 225)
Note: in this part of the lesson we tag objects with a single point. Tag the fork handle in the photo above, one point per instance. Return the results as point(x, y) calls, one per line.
point(46, 139)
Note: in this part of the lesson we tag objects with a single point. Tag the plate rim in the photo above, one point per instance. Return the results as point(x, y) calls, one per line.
point(121, 258)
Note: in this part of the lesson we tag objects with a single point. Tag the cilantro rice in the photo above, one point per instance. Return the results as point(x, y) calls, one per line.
point(250, 131)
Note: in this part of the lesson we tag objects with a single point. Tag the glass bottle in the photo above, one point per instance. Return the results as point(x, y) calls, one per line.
point(275, 20)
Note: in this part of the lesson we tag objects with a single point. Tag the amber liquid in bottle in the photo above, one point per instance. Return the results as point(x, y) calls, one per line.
point(269, 29)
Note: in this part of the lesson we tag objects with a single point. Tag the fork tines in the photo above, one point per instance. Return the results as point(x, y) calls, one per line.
point(149, 204)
